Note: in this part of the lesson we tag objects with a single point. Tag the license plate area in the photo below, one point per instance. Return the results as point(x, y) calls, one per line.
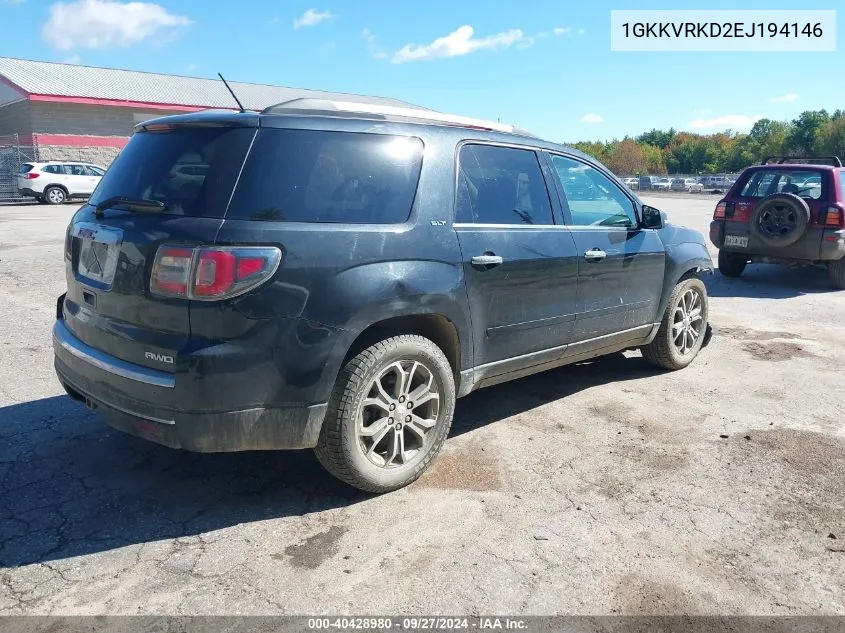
point(736, 241)
point(99, 248)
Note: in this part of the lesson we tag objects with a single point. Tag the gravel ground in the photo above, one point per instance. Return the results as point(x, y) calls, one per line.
point(602, 488)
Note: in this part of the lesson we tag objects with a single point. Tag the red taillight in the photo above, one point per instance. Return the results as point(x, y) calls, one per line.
point(248, 266)
point(212, 273)
point(215, 273)
point(832, 217)
point(32, 175)
point(721, 210)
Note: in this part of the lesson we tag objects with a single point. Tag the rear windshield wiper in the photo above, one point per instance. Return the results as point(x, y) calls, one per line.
point(135, 204)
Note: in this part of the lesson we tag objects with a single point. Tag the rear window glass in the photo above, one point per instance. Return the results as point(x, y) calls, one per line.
point(806, 183)
point(192, 171)
point(25, 168)
point(317, 176)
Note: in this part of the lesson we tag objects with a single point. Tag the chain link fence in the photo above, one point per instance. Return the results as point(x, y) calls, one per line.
point(12, 155)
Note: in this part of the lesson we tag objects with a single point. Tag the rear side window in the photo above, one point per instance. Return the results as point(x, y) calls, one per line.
point(320, 176)
point(806, 183)
point(25, 168)
point(151, 166)
point(53, 169)
point(501, 185)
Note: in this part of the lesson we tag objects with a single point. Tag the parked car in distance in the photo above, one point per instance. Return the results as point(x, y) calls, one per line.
point(677, 184)
point(694, 185)
point(645, 183)
point(632, 183)
point(661, 184)
point(691, 185)
point(790, 212)
point(56, 182)
point(330, 289)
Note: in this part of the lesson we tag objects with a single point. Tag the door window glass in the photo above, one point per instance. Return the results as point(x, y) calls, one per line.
point(501, 185)
point(593, 199)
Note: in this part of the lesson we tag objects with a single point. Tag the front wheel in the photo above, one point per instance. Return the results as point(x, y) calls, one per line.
point(389, 414)
point(683, 328)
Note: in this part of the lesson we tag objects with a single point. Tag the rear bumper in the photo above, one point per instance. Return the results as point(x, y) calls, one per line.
point(129, 397)
point(30, 193)
point(817, 244)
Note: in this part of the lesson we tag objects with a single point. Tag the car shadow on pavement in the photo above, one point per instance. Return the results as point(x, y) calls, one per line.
point(489, 405)
point(770, 281)
point(72, 486)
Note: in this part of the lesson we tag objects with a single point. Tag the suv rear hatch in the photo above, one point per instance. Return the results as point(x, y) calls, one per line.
point(142, 202)
point(753, 189)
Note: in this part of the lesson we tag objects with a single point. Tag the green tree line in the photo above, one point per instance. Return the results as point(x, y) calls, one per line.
point(812, 133)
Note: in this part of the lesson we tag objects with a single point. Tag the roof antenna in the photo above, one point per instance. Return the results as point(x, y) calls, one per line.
point(232, 92)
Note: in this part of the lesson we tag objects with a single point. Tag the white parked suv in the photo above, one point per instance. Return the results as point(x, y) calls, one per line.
point(56, 182)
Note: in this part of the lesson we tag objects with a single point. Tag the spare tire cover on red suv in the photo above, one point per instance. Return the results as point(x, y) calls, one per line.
point(780, 219)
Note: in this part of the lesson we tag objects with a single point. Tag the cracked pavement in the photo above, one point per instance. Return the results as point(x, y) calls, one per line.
point(603, 488)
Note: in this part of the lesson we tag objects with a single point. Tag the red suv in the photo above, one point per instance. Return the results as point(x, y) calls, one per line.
point(784, 211)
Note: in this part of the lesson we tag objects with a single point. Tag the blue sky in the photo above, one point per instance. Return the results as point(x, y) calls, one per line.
point(544, 65)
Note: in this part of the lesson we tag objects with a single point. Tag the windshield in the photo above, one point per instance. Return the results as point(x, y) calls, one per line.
point(191, 171)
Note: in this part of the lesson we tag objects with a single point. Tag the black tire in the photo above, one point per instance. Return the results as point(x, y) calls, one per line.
point(340, 449)
point(662, 351)
point(836, 273)
point(787, 217)
point(55, 195)
point(732, 264)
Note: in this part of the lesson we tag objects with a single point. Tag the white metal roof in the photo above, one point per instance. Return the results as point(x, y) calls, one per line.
point(70, 80)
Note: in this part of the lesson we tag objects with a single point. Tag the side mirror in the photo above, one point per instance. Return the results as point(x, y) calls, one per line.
point(652, 218)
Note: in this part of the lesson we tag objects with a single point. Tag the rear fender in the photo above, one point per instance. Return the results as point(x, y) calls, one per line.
point(371, 293)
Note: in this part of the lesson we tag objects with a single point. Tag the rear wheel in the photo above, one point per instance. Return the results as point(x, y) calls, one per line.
point(836, 273)
point(55, 195)
point(683, 328)
point(389, 414)
point(731, 264)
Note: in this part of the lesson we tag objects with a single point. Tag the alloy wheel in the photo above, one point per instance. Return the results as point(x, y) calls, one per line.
point(687, 321)
point(398, 414)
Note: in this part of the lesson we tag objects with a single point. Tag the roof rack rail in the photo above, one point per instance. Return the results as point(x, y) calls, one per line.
point(780, 160)
point(353, 109)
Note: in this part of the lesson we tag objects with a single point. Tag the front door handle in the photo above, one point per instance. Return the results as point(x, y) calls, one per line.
point(488, 259)
point(594, 255)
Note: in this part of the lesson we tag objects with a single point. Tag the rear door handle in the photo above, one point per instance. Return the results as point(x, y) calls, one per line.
point(487, 260)
point(595, 255)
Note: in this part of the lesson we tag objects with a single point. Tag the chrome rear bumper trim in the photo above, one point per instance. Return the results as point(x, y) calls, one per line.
point(68, 342)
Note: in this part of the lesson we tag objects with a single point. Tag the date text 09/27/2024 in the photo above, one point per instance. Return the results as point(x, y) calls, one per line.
point(417, 623)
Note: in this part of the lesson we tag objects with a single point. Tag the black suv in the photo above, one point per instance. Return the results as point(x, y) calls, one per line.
point(336, 278)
